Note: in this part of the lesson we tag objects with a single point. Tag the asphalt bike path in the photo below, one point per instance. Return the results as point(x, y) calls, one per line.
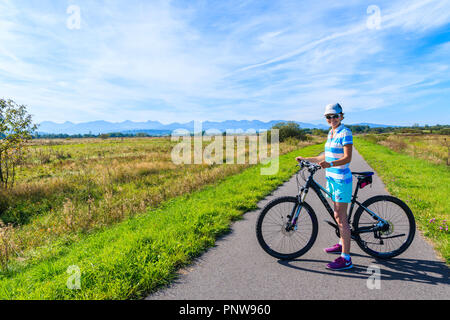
point(237, 268)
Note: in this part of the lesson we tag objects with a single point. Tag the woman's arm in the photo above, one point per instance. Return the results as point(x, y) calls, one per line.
point(317, 159)
point(348, 149)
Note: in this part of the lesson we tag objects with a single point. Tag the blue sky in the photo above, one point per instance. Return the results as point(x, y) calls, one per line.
point(177, 61)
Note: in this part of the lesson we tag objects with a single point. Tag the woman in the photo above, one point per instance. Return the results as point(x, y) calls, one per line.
point(336, 161)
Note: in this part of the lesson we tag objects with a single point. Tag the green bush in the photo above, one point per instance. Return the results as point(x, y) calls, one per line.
point(445, 131)
point(290, 130)
point(375, 138)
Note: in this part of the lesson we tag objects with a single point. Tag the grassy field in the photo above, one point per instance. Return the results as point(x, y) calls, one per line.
point(66, 188)
point(431, 147)
point(423, 184)
point(128, 259)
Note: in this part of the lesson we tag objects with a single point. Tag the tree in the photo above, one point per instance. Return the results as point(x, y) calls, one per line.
point(142, 134)
point(16, 128)
point(444, 131)
point(319, 132)
point(290, 130)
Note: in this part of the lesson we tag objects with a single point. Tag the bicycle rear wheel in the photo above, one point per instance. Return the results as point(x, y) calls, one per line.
point(273, 236)
point(389, 243)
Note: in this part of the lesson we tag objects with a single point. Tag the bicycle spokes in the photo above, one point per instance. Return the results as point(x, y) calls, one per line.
point(281, 237)
point(388, 232)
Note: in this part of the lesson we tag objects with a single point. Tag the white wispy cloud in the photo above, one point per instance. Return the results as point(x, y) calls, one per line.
point(179, 61)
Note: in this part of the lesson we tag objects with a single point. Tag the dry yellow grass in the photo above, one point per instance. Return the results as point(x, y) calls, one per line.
point(430, 147)
point(65, 188)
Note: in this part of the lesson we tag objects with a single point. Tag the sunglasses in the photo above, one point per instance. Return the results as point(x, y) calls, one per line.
point(334, 116)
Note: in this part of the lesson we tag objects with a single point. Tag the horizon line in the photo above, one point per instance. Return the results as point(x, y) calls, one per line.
point(203, 121)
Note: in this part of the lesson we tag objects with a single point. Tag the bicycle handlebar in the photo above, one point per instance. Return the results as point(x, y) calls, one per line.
point(303, 163)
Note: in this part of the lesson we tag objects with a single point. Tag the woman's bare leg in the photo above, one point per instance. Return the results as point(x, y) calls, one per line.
point(340, 214)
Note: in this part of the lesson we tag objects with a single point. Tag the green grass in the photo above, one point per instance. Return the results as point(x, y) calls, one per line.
point(64, 187)
point(424, 186)
point(136, 256)
point(431, 147)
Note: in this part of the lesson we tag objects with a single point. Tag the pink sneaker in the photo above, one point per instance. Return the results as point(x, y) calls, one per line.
point(337, 248)
point(340, 264)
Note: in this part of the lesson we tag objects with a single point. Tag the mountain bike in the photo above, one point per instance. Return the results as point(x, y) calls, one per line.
point(383, 226)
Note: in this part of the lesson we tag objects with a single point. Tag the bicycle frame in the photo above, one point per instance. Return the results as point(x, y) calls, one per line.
point(318, 189)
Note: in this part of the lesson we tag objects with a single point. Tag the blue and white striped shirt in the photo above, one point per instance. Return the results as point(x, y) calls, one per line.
point(334, 150)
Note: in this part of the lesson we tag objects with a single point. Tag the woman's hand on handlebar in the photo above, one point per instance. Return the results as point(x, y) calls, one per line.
point(324, 164)
point(309, 162)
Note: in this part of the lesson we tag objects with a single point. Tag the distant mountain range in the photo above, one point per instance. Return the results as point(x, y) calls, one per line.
point(157, 128)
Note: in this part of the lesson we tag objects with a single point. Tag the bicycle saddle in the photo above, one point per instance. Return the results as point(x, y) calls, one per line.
point(363, 174)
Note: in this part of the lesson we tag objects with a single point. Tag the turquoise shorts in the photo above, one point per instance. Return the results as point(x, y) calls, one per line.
point(341, 192)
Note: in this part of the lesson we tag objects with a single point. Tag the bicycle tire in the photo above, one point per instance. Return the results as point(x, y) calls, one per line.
point(403, 209)
point(260, 234)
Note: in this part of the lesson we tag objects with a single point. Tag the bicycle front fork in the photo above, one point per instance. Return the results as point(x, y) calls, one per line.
point(293, 217)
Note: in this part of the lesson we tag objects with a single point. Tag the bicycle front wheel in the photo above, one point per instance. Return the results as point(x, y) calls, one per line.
point(390, 242)
point(271, 228)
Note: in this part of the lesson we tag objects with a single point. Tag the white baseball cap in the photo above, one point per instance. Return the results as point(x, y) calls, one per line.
point(333, 109)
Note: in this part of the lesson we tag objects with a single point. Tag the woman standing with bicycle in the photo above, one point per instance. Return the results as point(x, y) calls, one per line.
point(383, 226)
point(336, 161)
